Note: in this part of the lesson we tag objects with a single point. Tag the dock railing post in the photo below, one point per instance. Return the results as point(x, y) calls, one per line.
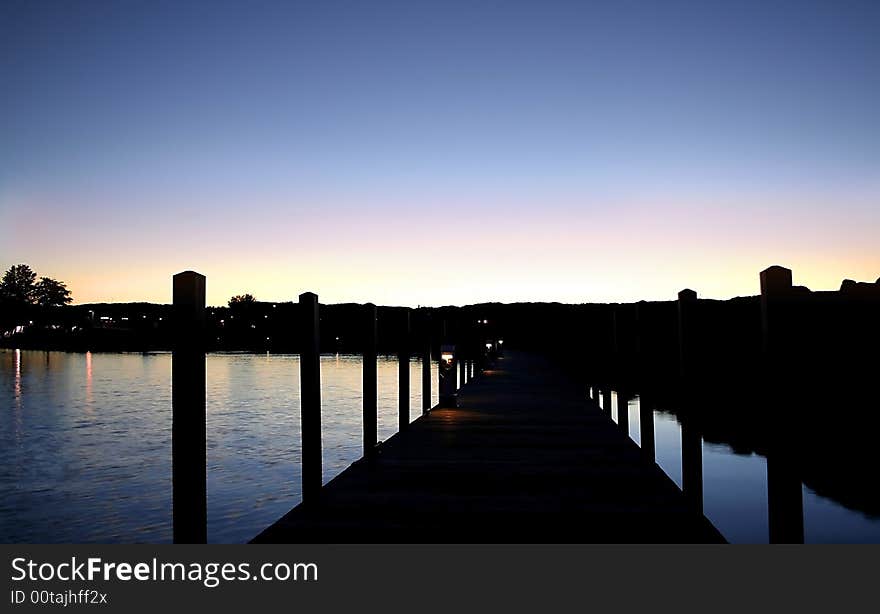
point(403, 372)
point(776, 285)
point(188, 446)
point(310, 396)
point(606, 400)
point(623, 397)
point(646, 427)
point(785, 500)
point(369, 384)
point(462, 372)
point(687, 303)
point(426, 363)
point(692, 465)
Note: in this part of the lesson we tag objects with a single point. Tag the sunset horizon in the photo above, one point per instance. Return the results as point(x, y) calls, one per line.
point(405, 155)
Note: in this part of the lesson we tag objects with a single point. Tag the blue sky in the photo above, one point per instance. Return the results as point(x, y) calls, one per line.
point(341, 146)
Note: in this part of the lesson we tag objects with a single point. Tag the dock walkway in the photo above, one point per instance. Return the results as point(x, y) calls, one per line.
point(526, 458)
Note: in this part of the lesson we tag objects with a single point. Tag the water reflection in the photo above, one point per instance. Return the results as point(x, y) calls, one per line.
point(735, 487)
point(17, 386)
point(85, 455)
point(89, 405)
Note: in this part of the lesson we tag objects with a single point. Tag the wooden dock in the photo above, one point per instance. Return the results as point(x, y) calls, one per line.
point(526, 457)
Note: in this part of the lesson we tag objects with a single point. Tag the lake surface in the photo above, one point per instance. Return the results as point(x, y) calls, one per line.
point(85, 448)
point(85, 441)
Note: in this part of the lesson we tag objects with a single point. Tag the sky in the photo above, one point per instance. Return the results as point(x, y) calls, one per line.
point(433, 153)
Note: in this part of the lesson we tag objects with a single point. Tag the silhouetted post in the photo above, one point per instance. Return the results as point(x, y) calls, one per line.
point(426, 366)
point(606, 400)
point(775, 286)
point(310, 396)
point(646, 427)
point(785, 500)
point(188, 448)
point(371, 433)
point(615, 338)
point(462, 372)
point(637, 340)
point(623, 410)
point(687, 304)
point(692, 465)
point(403, 373)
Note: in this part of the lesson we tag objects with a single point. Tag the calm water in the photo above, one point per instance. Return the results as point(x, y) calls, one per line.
point(85, 449)
point(735, 490)
point(85, 441)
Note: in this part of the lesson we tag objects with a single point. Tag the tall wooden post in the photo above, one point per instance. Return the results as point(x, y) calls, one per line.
point(188, 447)
point(606, 400)
point(371, 433)
point(426, 364)
point(775, 287)
point(692, 465)
point(623, 410)
point(403, 373)
point(310, 396)
point(646, 427)
point(462, 371)
point(785, 499)
point(687, 302)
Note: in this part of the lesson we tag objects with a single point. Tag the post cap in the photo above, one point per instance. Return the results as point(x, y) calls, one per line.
point(687, 295)
point(775, 280)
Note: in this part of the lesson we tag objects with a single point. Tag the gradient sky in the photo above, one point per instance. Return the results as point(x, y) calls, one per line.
point(439, 152)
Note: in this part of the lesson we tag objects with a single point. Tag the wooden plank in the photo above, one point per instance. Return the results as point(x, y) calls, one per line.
point(526, 458)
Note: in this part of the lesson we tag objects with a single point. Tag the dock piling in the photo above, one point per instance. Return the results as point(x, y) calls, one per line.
point(687, 303)
point(646, 428)
point(403, 372)
point(310, 396)
point(692, 465)
point(426, 364)
point(188, 432)
point(623, 397)
point(369, 383)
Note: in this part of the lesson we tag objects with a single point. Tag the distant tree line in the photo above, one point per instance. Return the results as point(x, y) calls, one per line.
point(242, 299)
point(20, 287)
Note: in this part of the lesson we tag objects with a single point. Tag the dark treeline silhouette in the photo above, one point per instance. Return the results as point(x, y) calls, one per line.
point(245, 326)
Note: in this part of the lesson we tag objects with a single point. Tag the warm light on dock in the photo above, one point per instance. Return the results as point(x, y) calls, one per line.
point(447, 383)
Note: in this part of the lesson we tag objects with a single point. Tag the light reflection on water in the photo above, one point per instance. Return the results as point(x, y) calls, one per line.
point(85, 453)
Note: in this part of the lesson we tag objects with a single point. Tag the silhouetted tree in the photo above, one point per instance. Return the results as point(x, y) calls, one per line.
point(241, 300)
point(49, 292)
point(17, 286)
